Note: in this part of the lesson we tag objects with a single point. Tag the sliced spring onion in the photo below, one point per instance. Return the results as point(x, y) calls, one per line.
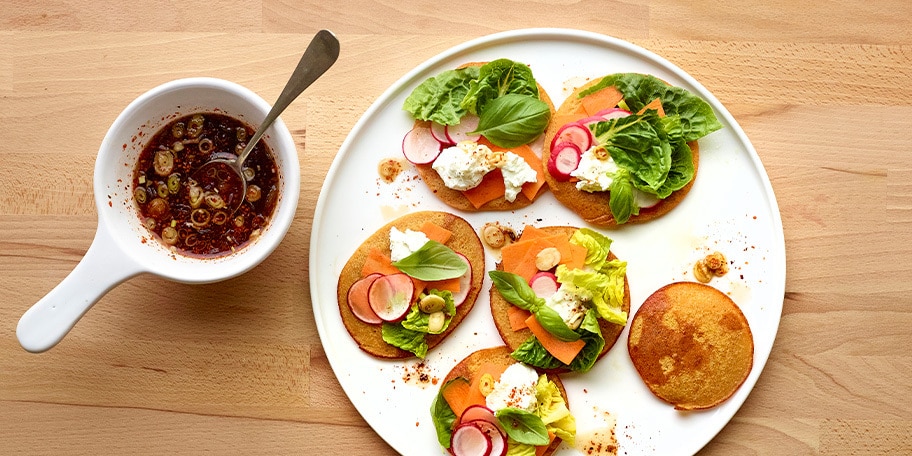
point(178, 130)
point(163, 162)
point(174, 182)
point(200, 217)
point(169, 235)
point(140, 195)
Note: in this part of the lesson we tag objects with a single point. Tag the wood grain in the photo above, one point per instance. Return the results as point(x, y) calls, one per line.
point(824, 91)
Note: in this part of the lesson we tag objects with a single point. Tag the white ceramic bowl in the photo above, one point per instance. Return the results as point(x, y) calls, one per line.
point(122, 247)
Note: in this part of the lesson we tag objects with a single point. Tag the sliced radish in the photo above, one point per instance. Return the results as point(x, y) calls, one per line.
point(439, 132)
point(469, 440)
point(462, 131)
point(358, 300)
point(390, 296)
point(612, 113)
point(565, 158)
point(465, 283)
point(645, 200)
point(591, 120)
point(420, 146)
point(544, 284)
point(478, 412)
point(496, 435)
point(574, 133)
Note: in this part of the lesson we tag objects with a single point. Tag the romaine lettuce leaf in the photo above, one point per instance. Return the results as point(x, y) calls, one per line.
point(553, 410)
point(534, 354)
point(439, 98)
point(406, 339)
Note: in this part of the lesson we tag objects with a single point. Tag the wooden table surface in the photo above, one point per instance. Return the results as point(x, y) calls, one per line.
point(822, 89)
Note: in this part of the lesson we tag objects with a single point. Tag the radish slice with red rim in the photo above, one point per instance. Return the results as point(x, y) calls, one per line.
point(469, 440)
point(612, 113)
point(390, 296)
point(463, 130)
point(544, 284)
point(497, 436)
point(565, 158)
point(573, 133)
point(478, 412)
point(465, 282)
point(359, 302)
point(645, 200)
point(439, 132)
point(420, 146)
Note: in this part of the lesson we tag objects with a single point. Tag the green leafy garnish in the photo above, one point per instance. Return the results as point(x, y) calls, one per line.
point(534, 354)
point(433, 261)
point(523, 426)
point(513, 120)
point(443, 416)
point(416, 320)
point(496, 79)
point(439, 98)
point(406, 339)
point(554, 324)
point(515, 290)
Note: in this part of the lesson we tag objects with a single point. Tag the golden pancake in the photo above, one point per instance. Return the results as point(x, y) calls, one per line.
point(464, 241)
point(513, 339)
point(691, 345)
point(455, 198)
point(593, 206)
point(470, 365)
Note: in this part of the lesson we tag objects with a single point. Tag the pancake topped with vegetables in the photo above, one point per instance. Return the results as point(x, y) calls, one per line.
point(476, 137)
point(560, 297)
point(623, 148)
point(409, 285)
point(491, 404)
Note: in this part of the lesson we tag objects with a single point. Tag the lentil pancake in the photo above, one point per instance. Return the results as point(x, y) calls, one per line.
point(691, 345)
point(470, 366)
point(455, 198)
point(463, 240)
point(593, 206)
point(500, 309)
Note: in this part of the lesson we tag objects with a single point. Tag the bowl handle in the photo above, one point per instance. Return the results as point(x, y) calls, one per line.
point(103, 267)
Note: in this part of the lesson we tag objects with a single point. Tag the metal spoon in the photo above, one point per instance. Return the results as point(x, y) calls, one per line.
point(320, 54)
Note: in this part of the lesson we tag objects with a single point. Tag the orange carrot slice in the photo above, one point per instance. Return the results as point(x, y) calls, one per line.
point(457, 394)
point(605, 98)
point(655, 105)
point(451, 285)
point(530, 232)
point(491, 187)
point(562, 350)
point(495, 369)
point(378, 262)
point(517, 317)
point(540, 450)
point(436, 232)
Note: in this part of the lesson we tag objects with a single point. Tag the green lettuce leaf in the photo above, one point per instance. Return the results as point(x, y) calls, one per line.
point(605, 288)
point(406, 339)
point(439, 98)
point(637, 143)
point(534, 354)
point(553, 410)
point(443, 416)
point(515, 448)
point(496, 79)
point(697, 116)
point(597, 246)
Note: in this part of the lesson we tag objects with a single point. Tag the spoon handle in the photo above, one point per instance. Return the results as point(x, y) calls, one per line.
point(320, 54)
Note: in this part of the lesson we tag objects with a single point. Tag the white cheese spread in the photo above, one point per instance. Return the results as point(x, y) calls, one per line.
point(463, 166)
point(568, 305)
point(403, 244)
point(515, 389)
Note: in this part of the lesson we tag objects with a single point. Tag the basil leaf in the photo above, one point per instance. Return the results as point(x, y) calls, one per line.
point(498, 78)
point(523, 426)
point(513, 120)
point(621, 199)
point(681, 171)
point(443, 416)
point(433, 261)
point(439, 98)
point(516, 291)
point(554, 324)
point(532, 352)
point(405, 339)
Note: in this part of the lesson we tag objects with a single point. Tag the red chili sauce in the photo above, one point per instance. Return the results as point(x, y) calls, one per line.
point(187, 212)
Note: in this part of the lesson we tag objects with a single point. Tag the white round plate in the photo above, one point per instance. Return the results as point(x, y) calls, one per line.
point(731, 208)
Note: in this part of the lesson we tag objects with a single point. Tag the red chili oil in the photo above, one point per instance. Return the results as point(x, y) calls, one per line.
point(185, 212)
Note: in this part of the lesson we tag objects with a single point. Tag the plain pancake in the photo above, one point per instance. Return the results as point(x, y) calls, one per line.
point(455, 198)
point(593, 206)
point(464, 240)
point(513, 339)
point(691, 345)
point(499, 355)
